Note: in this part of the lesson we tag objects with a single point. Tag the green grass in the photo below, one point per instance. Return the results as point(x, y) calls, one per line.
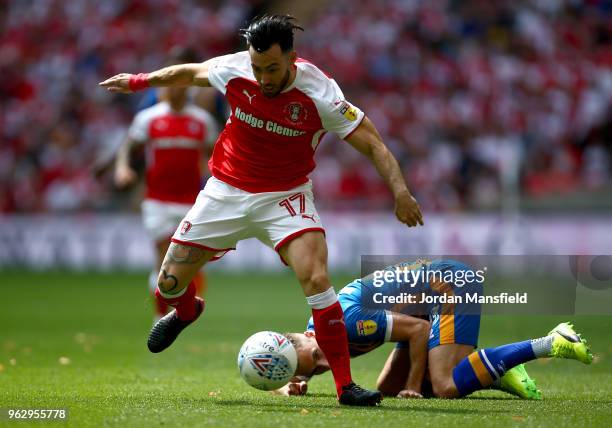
point(98, 323)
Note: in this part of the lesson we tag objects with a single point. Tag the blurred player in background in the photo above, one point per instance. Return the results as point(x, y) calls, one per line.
point(281, 108)
point(455, 369)
point(178, 138)
point(205, 98)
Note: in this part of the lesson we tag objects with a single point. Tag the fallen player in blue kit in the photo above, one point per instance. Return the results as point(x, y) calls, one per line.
point(436, 358)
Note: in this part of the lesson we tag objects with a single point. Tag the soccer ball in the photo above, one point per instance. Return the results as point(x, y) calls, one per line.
point(267, 360)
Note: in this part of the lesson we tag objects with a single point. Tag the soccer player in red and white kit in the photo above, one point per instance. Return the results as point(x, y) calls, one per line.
point(281, 106)
point(177, 136)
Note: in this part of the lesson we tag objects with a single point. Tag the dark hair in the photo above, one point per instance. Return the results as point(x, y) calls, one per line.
point(266, 30)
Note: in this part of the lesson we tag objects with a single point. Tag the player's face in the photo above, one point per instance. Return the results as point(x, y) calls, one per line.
point(272, 69)
point(311, 360)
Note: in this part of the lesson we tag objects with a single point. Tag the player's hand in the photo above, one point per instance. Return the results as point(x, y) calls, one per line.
point(408, 393)
point(293, 388)
point(407, 210)
point(124, 176)
point(118, 83)
point(297, 388)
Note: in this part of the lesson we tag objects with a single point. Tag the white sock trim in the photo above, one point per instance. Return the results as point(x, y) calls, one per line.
point(323, 300)
point(542, 347)
point(172, 296)
point(389, 329)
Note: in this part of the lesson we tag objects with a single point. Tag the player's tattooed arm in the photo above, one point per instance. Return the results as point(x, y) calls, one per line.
point(183, 254)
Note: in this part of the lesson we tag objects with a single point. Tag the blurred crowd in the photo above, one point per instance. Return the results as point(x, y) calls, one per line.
point(480, 101)
point(56, 123)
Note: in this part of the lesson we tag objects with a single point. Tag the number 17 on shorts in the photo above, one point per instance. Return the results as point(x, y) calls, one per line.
point(299, 199)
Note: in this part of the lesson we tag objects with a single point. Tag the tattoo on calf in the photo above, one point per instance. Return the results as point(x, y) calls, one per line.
point(166, 284)
point(183, 254)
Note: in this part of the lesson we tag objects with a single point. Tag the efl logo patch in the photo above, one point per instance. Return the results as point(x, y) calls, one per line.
point(366, 327)
point(347, 110)
point(185, 227)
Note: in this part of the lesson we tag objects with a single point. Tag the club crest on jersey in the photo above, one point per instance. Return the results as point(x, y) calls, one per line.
point(185, 227)
point(295, 112)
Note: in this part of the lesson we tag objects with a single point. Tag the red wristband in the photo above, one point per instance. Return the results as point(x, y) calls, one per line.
point(138, 82)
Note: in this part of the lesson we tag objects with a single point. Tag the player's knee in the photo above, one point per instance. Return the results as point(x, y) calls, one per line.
point(422, 329)
point(444, 389)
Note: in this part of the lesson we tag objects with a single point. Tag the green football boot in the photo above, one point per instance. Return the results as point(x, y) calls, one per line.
point(569, 344)
point(516, 381)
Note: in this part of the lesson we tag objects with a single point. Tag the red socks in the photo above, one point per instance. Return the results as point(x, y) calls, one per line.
point(161, 308)
point(185, 303)
point(331, 337)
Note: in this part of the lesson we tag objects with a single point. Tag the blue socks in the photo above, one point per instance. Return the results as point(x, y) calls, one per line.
point(481, 368)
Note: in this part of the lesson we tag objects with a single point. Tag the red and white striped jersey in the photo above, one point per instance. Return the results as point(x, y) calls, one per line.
point(174, 143)
point(268, 144)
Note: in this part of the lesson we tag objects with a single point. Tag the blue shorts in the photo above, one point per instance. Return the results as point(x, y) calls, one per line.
point(460, 329)
point(446, 329)
point(457, 323)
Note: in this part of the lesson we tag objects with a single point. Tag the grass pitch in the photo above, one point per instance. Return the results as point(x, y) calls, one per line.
point(78, 341)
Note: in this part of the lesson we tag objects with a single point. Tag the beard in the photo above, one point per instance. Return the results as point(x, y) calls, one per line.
point(277, 90)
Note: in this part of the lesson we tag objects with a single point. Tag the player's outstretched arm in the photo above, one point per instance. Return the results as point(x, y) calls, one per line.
point(368, 141)
point(174, 75)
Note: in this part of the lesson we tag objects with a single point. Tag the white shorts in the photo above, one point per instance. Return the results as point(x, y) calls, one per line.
point(223, 215)
point(160, 218)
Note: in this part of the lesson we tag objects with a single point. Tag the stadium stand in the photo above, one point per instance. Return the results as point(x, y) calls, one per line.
point(472, 96)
